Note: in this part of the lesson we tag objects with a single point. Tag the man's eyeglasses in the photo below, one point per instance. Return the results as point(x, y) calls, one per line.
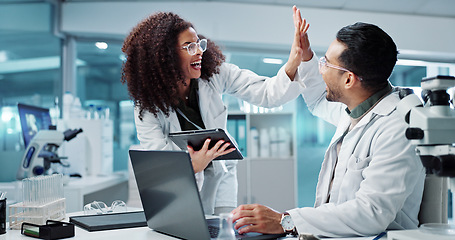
point(323, 65)
point(192, 47)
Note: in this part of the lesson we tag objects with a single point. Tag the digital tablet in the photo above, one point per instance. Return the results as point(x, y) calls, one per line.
point(110, 221)
point(196, 139)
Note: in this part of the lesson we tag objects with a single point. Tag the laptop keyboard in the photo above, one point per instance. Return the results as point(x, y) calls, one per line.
point(213, 230)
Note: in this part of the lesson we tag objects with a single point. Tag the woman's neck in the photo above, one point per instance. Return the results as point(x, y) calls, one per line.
point(184, 90)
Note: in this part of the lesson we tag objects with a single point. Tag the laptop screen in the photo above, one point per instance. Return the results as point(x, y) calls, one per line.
point(169, 193)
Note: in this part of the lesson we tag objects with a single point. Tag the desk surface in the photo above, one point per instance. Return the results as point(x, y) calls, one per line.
point(90, 184)
point(139, 233)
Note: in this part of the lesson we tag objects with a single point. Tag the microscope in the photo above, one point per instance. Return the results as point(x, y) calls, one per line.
point(432, 130)
point(432, 124)
point(42, 152)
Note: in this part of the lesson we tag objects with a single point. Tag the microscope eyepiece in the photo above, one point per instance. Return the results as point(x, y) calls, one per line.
point(71, 133)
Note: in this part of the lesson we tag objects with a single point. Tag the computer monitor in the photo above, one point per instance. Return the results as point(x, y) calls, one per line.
point(32, 120)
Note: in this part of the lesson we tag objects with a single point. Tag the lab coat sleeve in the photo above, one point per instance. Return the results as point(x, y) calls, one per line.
point(152, 136)
point(314, 92)
point(392, 173)
point(151, 133)
point(258, 90)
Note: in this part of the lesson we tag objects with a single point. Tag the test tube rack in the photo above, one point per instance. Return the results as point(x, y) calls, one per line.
point(21, 212)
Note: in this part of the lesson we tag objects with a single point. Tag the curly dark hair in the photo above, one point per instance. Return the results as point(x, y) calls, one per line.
point(152, 68)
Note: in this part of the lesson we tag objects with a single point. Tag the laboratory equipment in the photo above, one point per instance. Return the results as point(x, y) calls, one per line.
point(43, 200)
point(98, 207)
point(264, 143)
point(432, 125)
point(432, 131)
point(2, 215)
point(274, 141)
point(42, 151)
point(50, 231)
point(32, 120)
point(226, 231)
point(254, 148)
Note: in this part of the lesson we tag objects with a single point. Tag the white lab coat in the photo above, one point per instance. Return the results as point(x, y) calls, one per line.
point(217, 187)
point(378, 182)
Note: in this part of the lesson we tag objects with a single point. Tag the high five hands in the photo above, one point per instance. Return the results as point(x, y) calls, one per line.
point(256, 217)
point(301, 49)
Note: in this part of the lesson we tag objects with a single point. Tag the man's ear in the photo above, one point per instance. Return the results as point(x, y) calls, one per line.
point(350, 80)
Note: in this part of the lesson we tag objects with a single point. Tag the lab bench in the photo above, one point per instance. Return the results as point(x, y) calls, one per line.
point(80, 191)
point(138, 233)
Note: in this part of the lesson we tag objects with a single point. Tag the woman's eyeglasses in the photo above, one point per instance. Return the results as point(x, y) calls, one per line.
point(192, 47)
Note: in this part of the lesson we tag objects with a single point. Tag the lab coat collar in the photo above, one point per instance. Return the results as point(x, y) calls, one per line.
point(387, 105)
point(383, 108)
point(369, 103)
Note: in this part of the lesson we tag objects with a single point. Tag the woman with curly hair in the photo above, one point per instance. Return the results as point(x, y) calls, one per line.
point(176, 79)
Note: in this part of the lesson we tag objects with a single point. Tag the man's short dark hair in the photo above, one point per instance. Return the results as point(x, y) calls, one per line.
point(371, 54)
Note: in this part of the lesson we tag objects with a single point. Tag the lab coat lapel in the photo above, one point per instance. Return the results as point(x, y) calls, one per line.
point(350, 148)
point(207, 101)
point(174, 122)
point(325, 175)
point(341, 129)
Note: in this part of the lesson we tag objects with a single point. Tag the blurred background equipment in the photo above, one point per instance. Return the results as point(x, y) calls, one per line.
point(43, 200)
point(41, 143)
point(432, 131)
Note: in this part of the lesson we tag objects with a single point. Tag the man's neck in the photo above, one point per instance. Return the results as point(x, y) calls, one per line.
point(368, 102)
point(357, 98)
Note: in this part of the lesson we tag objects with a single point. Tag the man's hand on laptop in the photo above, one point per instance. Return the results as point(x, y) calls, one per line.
point(201, 159)
point(257, 218)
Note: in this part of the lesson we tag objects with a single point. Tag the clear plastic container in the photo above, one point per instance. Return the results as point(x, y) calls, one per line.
point(226, 230)
point(254, 149)
point(439, 228)
point(37, 214)
point(67, 104)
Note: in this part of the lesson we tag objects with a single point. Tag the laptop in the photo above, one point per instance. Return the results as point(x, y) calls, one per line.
point(170, 196)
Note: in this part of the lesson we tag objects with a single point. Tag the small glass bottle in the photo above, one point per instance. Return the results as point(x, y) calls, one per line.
point(226, 230)
point(91, 112)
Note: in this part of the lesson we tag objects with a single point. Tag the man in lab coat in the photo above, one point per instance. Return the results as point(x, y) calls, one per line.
point(371, 179)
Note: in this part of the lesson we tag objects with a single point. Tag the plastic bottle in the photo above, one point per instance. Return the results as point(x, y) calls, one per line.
point(254, 150)
point(76, 109)
point(67, 103)
point(107, 112)
point(55, 112)
point(226, 230)
point(99, 112)
point(284, 146)
point(264, 143)
point(273, 134)
point(91, 112)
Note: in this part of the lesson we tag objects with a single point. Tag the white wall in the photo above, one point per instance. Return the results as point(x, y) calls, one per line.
point(262, 24)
